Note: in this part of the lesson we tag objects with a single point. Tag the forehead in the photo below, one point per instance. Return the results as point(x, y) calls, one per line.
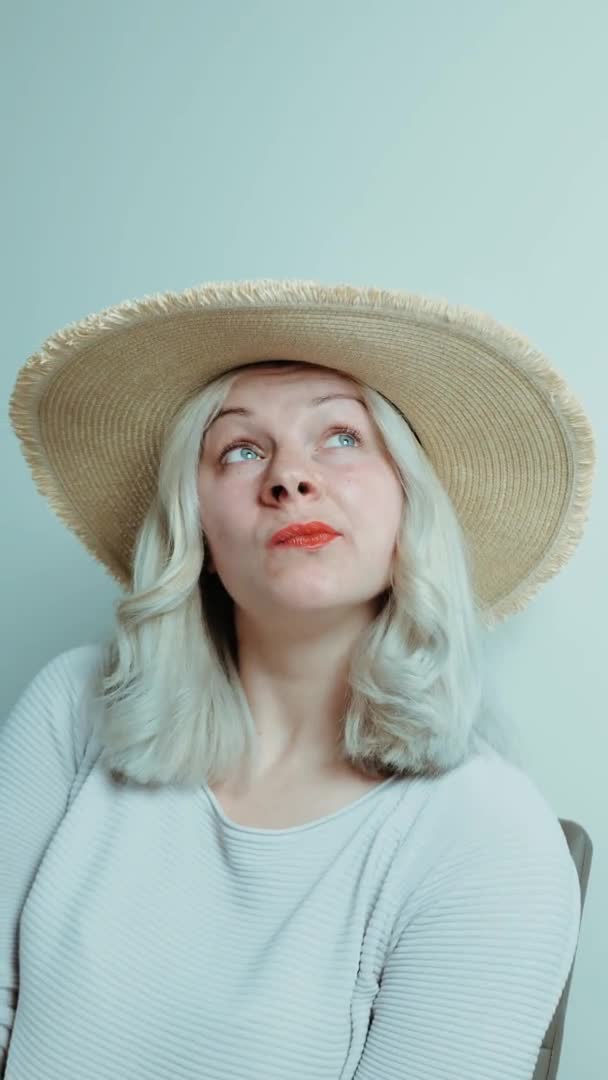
point(307, 388)
point(257, 382)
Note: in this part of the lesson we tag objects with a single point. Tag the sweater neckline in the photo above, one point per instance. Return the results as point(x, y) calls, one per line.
point(234, 826)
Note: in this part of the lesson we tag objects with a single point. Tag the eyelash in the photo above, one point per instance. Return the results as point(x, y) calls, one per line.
point(332, 431)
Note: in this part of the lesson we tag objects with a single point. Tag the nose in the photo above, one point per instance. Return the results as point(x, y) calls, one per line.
point(289, 476)
point(281, 492)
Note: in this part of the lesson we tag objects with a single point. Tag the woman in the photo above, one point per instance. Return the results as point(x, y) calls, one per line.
point(270, 828)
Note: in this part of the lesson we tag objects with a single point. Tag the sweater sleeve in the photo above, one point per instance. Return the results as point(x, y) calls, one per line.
point(475, 973)
point(38, 761)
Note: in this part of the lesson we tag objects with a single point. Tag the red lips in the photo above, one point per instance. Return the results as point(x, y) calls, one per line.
point(303, 528)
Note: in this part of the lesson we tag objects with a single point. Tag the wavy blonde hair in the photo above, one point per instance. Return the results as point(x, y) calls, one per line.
point(173, 707)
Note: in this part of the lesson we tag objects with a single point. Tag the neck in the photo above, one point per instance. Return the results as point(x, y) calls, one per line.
point(295, 678)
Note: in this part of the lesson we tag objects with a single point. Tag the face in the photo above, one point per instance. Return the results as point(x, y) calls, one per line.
point(297, 461)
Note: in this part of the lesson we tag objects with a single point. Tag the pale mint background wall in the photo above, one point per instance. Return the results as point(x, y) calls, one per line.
point(454, 149)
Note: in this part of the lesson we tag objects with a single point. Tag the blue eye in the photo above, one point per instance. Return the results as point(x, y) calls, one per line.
point(240, 444)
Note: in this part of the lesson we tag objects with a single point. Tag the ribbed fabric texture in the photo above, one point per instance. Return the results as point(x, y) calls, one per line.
point(424, 932)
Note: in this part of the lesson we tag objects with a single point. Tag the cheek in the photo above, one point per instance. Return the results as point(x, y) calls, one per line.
point(211, 513)
point(224, 518)
point(371, 490)
point(384, 505)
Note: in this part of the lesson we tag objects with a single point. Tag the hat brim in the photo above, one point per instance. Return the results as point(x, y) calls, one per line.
point(512, 446)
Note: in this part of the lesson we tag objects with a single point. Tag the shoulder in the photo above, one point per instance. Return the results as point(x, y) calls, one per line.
point(78, 665)
point(487, 795)
point(484, 818)
point(483, 843)
point(66, 675)
point(487, 914)
point(55, 701)
point(507, 799)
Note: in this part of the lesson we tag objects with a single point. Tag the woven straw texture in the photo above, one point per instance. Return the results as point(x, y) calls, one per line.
point(511, 444)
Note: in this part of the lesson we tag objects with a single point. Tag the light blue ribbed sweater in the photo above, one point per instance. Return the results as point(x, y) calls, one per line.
point(424, 932)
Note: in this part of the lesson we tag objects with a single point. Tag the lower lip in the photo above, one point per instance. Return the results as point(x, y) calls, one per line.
point(318, 541)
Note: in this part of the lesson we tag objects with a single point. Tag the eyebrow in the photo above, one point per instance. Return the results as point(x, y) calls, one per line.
point(315, 401)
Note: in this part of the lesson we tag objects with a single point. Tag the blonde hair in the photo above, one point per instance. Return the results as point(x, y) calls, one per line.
point(173, 707)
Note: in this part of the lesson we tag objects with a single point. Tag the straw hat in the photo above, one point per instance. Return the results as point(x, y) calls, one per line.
point(510, 443)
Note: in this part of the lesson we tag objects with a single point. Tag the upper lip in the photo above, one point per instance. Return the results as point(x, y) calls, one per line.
point(302, 528)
